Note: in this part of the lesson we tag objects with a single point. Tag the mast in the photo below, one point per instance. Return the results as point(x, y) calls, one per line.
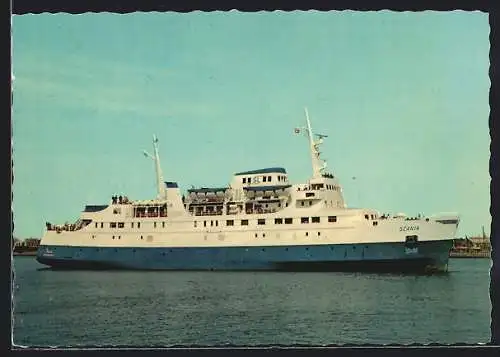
point(318, 164)
point(159, 174)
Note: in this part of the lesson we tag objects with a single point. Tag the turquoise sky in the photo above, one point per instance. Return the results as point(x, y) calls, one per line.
point(402, 96)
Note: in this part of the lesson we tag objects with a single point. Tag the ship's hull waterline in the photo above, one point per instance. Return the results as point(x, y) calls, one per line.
point(429, 256)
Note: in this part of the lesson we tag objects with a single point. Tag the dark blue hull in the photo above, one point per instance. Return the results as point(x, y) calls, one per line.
point(375, 257)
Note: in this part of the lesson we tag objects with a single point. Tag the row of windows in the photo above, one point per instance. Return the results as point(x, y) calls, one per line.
point(262, 249)
point(262, 221)
point(319, 186)
point(229, 222)
point(119, 237)
point(306, 234)
point(122, 224)
point(256, 236)
point(257, 179)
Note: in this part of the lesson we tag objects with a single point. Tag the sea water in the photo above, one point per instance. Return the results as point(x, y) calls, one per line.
point(138, 308)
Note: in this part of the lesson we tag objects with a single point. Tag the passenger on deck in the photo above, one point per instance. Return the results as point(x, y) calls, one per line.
point(114, 199)
point(120, 199)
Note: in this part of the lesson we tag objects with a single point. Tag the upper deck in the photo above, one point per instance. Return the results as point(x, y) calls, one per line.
point(258, 191)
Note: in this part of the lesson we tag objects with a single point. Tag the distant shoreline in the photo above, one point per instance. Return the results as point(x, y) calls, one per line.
point(24, 254)
point(461, 255)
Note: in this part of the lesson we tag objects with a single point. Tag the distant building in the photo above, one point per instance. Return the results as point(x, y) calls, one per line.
point(477, 246)
point(32, 242)
point(481, 242)
point(29, 244)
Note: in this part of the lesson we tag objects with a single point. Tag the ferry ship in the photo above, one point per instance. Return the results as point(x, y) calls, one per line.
point(260, 221)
